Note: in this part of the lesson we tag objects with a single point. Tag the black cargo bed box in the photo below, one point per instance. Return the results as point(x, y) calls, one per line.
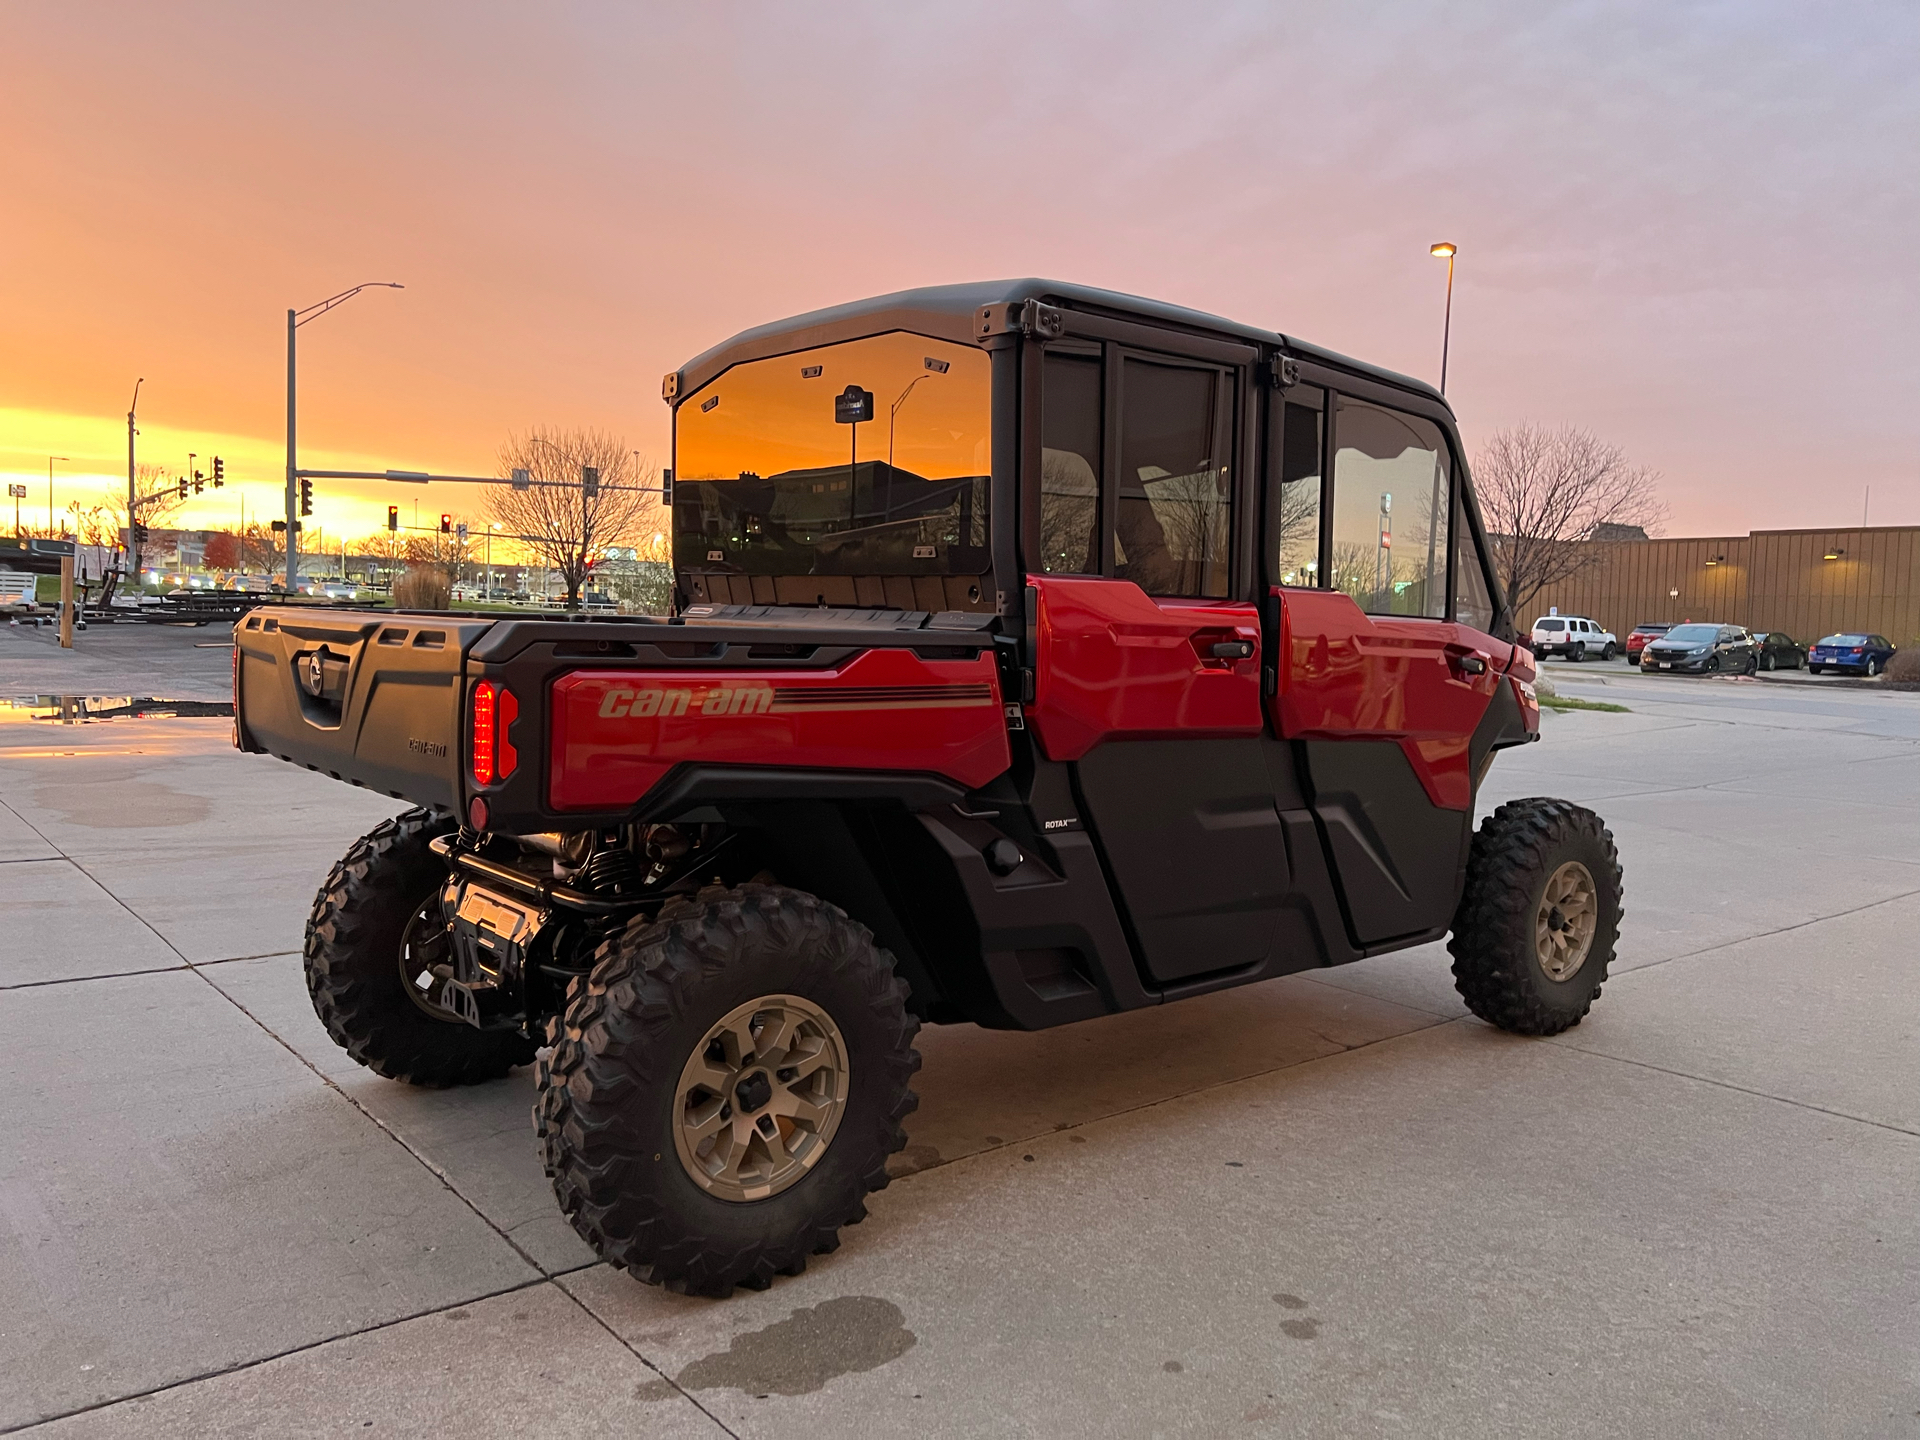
point(373, 699)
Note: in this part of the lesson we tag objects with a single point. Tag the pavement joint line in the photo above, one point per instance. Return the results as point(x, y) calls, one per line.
point(1766, 934)
point(430, 1166)
point(1018, 1141)
point(111, 975)
point(626, 1345)
point(33, 859)
point(1565, 1044)
point(1325, 977)
point(243, 1365)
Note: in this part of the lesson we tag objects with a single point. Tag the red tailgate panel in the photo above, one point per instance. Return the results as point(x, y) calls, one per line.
point(617, 732)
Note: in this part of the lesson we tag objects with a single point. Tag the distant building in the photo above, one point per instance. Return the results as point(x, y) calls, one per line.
point(1618, 532)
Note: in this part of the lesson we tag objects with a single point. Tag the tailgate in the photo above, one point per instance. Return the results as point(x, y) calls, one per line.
point(368, 698)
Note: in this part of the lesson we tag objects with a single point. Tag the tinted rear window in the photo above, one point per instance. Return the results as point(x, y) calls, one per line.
point(1844, 640)
point(1549, 624)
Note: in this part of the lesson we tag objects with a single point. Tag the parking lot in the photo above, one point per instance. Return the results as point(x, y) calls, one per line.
point(1330, 1204)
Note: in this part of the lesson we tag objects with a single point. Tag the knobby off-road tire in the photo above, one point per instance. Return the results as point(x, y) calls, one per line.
point(360, 919)
point(613, 1104)
point(1504, 932)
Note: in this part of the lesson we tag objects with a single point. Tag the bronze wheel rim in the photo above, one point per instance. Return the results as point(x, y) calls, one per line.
point(760, 1098)
point(1564, 921)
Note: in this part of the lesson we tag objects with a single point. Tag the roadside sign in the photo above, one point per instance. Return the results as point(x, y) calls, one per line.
point(853, 406)
point(18, 492)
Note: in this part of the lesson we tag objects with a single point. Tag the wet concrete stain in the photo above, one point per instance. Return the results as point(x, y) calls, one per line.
point(118, 804)
point(1173, 1367)
point(1305, 1328)
point(800, 1354)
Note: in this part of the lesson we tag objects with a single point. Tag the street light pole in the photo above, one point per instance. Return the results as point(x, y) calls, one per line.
point(133, 499)
point(295, 319)
point(1447, 249)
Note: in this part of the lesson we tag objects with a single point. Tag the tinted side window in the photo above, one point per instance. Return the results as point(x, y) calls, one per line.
point(1173, 519)
point(1392, 500)
point(1293, 479)
point(1070, 466)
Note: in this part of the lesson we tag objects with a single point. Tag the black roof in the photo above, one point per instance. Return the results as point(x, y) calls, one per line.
point(949, 311)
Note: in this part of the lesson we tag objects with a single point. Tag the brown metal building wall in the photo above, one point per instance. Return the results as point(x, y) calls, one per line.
point(1769, 580)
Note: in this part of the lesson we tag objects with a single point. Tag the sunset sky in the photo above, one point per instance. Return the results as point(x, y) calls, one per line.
point(1690, 228)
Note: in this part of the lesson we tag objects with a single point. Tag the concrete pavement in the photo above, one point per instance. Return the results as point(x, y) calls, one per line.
point(1330, 1204)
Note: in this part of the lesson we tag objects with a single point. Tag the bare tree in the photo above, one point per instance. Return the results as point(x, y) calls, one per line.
point(159, 498)
point(1545, 492)
point(557, 519)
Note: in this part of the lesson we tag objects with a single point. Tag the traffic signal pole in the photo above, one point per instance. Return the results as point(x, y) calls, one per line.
point(293, 462)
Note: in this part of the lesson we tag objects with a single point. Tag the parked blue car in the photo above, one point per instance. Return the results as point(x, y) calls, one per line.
point(1858, 654)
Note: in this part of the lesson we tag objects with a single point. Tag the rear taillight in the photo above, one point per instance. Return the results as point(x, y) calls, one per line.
point(1857, 650)
point(494, 711)
point(483, 715)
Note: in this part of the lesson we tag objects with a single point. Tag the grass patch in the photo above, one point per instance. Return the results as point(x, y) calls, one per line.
point(1567, 702)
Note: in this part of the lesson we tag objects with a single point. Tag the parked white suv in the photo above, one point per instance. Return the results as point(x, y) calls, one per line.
point(1573, 636)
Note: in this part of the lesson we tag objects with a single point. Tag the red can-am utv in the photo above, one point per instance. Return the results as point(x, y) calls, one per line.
point(1039, 653)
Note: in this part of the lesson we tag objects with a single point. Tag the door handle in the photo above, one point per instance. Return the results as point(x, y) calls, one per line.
point(1231, 650)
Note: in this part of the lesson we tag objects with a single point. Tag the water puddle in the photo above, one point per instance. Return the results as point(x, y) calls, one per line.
point(94, 709)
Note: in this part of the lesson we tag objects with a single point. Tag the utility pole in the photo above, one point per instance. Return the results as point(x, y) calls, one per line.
point(293, 499)
point(133, 498)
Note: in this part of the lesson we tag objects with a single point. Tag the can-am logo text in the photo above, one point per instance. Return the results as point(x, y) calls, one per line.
point(718, 700)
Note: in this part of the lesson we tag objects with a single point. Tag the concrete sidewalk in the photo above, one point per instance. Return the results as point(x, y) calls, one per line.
point(1332, 1204)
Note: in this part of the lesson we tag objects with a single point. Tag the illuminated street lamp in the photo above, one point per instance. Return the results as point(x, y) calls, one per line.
point(295, 319)
point(1445, 249)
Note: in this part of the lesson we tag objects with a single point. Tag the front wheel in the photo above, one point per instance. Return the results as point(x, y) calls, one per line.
point(725, 1088)
point(374, 940)
point(1606, 651)
point(1536, 925)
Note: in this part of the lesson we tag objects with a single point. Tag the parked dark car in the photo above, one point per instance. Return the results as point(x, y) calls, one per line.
point(1850, 654)
point(1778, 650)
point(1641, 634)
point(1702, 650)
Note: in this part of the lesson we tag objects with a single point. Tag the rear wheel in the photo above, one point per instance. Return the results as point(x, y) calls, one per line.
point(1577, 653)
point(1873, 668)
point(724, 1089)
point(1766, 661)
point(1535, 929)
point(374, 940)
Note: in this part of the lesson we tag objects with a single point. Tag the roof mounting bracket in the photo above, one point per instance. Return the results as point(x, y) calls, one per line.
point(1027, 317)
point(1285, 372)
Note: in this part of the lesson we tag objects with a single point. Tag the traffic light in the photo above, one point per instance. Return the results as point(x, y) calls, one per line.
point(446, 524)
point(140, 533)
point(589, 482)
point(183, 487)
point(199, 482)
point(306, 496)
point(219, 472)
point(393, 517)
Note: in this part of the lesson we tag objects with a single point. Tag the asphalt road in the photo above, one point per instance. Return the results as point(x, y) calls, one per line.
point(1332, 1204)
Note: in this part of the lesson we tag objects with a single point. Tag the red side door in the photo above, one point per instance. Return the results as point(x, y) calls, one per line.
point(1155, 706)
point(1113, 663)
point(1385, 709)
